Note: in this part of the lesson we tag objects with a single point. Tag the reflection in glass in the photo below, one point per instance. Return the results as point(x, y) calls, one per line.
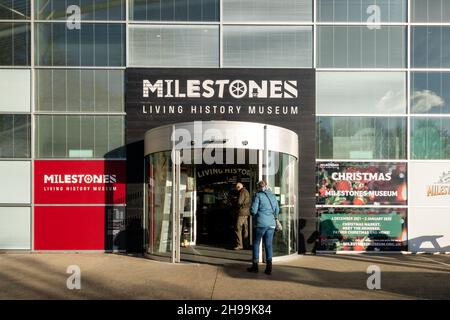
point(361, 47)
point(72, 136)
point(434, 11)
point(101, 10)
point(430, 92)
point(284, 183)
point(430, 47)
point(79, 90)
point(58, 46)
point(267, 11)
point(361, 92)
point(174, 45)
point(430, 138)
point(361, 10)
point(267, 46)
point(159, 204)
point(15, 9)
point(15, 44)
point(174, 10)
point(361, 137)
point(15, 136)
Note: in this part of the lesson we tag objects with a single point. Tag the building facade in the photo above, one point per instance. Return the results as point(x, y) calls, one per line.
point(377, 174)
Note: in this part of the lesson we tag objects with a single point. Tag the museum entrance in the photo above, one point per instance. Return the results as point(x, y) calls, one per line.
point(191, 174)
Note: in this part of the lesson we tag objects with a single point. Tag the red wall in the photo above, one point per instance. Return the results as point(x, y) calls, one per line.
point(69, 228)
point(75, 226)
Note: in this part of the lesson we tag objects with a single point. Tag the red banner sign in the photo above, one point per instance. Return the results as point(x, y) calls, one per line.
point(79, 182)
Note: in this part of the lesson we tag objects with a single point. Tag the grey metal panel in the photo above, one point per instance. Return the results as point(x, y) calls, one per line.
point(225, 134)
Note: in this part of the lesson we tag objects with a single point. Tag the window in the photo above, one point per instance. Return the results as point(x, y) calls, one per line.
point(435, 11)
point(361, 138)
point(72, 136)
point(92, 45)
point(430, 138)
point(267, 11)
point(174, 10)
point(430, 92)
point(430, 47)
point(14, 44)
point(15, 88)
point(361, 92)
point(174, 45)
point(79, 90)
point(15, 9)
point(15, 136)
point(267, 46)
point(361, 10)
point(361, 47)
point(89, 9)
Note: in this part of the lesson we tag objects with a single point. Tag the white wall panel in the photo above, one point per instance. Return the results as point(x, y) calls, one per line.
point(429, 229)
point(15, 181)
point(15, 90)
point(15, 231)
point(429, 183)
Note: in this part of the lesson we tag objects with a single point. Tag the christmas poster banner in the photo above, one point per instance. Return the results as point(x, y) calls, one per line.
point(362, 229)
point(361, 183)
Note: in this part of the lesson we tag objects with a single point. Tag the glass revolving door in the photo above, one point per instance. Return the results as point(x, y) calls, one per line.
point(191, 201)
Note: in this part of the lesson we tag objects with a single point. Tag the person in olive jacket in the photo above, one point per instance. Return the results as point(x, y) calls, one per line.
point(244, 202)
point(264, 210)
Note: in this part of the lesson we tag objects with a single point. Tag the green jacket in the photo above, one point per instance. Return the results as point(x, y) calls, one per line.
point(244, 203)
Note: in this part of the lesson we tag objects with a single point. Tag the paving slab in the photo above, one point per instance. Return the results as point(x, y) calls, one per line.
point(112, 276)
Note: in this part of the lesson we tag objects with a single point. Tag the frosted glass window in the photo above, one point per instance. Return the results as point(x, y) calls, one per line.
point(430, 47)
point(15, 228)
point(15, 9)
point(361, 10)
point(174, 10)
point(100, 44)
point(65, 136)
point(361, 92)
point(15, 44)
point(267, 11)
point(430, 138)
point(15, 136)
point(267, 46)
point(89, 9)
point(79, 90)
point(16, 178)
point(174, 46)
point(434, 11)
point(361, 138)
point(430, 92)
point(15, 90)
point(361, 47)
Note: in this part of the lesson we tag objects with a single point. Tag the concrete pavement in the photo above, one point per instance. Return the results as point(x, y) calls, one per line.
point(111, 276)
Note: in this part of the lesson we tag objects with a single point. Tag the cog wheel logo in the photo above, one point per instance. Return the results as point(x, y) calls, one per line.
point(238, 89)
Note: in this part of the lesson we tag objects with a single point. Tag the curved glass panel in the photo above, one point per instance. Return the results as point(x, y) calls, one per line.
point(283, 180)
point(159, 204)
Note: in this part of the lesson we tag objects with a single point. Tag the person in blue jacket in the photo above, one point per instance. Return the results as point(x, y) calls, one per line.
point(264, 210)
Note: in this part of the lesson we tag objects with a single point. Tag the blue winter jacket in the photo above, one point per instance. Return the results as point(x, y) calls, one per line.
point(262, 211)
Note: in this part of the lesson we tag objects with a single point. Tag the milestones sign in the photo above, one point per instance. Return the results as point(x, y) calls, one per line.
point(278, 97)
